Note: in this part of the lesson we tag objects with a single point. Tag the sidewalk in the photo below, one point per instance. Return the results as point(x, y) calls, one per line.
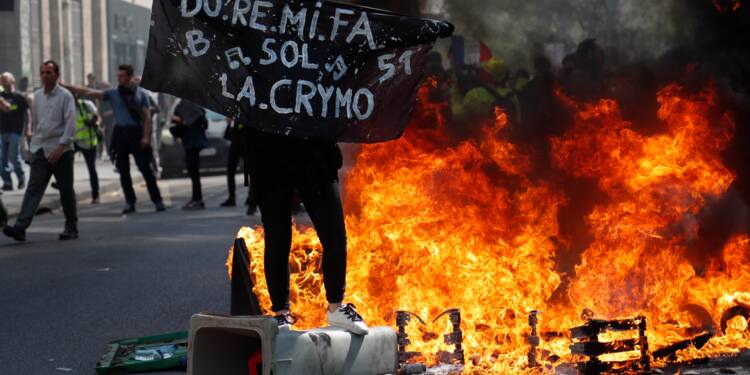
point(109, 181)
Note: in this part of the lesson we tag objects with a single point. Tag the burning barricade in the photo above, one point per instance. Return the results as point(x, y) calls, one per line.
point(478, 224)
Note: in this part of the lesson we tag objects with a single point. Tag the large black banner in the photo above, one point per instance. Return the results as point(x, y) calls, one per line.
point(309, 69)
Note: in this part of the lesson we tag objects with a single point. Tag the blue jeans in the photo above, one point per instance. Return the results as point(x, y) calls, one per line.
point(11, 152)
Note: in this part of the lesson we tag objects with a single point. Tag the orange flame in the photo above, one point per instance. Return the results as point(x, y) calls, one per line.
point(434, 224)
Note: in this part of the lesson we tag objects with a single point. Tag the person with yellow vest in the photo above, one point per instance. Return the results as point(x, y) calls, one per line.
point(87, 140)
point(489, 89)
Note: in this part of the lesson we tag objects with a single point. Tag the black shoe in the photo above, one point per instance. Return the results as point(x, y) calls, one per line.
point(230, 202)
point(128, 209)
point(69, 235)
point(55, 186)
point(285, 321)
point(160, 207)
point(21, 184)
point(15, 233)
point(95, 200)
point(7, 187)
point(252, 209)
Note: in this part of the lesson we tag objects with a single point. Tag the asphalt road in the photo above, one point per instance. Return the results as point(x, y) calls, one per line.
point(144, 274)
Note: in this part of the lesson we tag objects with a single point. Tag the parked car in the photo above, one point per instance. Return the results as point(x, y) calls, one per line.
point(213, 158)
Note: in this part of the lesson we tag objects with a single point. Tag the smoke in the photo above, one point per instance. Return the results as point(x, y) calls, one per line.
point(518, 30)
point(647, 44)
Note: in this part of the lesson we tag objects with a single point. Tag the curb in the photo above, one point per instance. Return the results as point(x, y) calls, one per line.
point(81, 196)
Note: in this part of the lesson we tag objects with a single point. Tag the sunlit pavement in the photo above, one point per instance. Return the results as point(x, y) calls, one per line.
point(127, 276)
point(109, 181)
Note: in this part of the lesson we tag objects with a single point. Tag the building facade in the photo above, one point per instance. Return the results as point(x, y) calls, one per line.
point(78, 34)
point(128, 25)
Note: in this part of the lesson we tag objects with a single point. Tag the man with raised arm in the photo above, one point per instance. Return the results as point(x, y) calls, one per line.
point(131, 135)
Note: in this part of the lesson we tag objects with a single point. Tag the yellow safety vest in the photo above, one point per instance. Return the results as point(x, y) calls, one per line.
point(86, 137)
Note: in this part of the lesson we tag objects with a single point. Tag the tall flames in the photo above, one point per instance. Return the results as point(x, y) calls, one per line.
point(434, 224)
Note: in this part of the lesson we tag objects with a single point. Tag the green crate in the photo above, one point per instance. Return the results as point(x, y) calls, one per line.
point(119, 357)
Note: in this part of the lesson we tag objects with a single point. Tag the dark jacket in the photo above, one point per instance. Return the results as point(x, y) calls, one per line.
point(194, 117)
point(274, 160)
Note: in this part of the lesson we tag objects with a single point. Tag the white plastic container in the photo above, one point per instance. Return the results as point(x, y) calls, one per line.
point(221, 345)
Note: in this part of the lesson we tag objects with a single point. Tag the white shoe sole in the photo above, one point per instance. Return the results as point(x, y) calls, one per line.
point(350, 328)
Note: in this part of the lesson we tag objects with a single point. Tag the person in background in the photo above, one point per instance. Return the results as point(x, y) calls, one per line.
point(14, 115)
point(54, 127)
point(131, 134)
point(520, 79)
point(106, 115)
point(501, 85)
point(235, 133)
point(3, 214)
point(544, 113)
point(87, 126)
point(153, 104)
point(192, 119)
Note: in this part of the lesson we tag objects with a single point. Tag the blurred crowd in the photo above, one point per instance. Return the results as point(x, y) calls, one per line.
point(45, 129)
point(533, 99)
point(529, 97)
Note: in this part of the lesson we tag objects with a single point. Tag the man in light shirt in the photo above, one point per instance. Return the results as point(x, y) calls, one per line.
point(54, 126)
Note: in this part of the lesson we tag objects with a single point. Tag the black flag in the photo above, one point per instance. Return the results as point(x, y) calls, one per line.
point(319, 70)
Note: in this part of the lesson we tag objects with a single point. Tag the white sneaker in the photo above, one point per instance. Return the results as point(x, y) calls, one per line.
point(348, 318)
point(285, 321)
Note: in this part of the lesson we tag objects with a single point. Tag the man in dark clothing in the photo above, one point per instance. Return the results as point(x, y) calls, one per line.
point(131, 135)
point(585, 79)
point(192, 119)
point(236, 135)
point(277, 166)
point(14, 113)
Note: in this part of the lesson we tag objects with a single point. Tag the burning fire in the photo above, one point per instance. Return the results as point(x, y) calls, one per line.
point(435, 224)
